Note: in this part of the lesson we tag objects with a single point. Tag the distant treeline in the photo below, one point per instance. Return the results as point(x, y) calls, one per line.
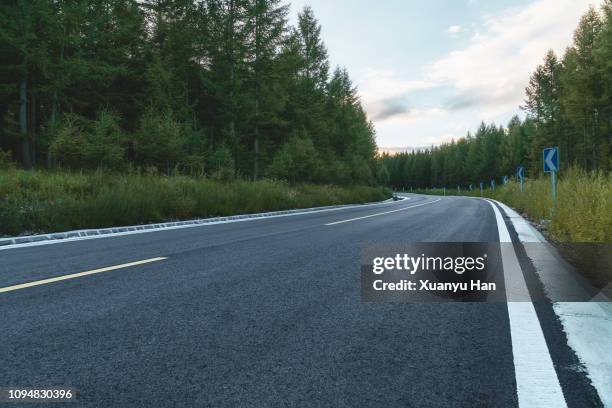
point(568, 104)
point(220, 87)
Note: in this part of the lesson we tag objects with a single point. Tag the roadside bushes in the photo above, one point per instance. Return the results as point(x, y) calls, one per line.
point(221, 164)
point(6, 161)
point(584, 208)
point(83, 144)
point(159, 140)
point(36, 201)
point(298, 160)
point(106, 145)
point(68, 148)
point(582, 213)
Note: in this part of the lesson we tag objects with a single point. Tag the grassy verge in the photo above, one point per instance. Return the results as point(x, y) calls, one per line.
point(583, 212)
point(35, 201)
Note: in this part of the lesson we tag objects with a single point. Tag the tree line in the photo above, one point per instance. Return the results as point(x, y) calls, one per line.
point(219, 87)
point(568, 104)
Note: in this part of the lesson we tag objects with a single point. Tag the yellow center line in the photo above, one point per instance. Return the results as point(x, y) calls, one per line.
point(382, 213)
point(78, 275)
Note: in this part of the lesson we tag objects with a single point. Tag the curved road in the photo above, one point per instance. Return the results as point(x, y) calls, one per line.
point(257, 313)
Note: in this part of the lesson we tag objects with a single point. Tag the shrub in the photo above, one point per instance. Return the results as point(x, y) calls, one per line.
point(6, 161)
point(79, 143)
point(159, 140)
point(222, 164)
point(69, 145)
point(194, 164)
point(382, 176)
point(584, 208)
point(335, 172)
point(296, 160)
point(104, 147)
point(360, 171)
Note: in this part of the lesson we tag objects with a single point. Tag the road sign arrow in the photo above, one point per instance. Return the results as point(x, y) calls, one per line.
point(551, 159)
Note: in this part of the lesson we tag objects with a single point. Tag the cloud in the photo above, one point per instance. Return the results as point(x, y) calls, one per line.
point(460, 102)
point(488, 75)
point(493, 70)
point(401, 114)
point(386, 108)
point(454, 31)
point(381, 84)
point(483, 80)
point(385, 95)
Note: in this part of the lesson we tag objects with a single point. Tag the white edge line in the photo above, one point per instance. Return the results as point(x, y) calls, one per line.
point(382, 213)
point(537, 384)
point(78, 275)
point(257, 216)
point(587, 325)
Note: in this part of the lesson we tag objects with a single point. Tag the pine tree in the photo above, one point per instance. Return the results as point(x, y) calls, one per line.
point(603, 62)
point(266, 28)
point(582, 90)
point(308, 93)
point(315, 64)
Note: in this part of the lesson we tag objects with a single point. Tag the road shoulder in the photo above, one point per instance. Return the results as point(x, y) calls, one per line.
point(576, 321)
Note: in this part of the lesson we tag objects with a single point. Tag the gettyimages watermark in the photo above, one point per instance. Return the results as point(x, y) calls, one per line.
point(462, 272)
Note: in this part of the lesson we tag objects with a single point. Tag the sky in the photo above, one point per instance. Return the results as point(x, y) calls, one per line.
point(430, 71)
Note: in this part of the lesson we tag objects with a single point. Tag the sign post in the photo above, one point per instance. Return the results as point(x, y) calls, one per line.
point(520, 175)
point(551, 165)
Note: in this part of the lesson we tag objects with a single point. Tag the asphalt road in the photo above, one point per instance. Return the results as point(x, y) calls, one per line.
point(253, 314)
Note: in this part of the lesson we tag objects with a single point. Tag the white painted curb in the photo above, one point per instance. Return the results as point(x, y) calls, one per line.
point(42, 239)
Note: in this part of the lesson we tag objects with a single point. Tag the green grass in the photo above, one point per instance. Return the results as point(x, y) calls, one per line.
point(37, 201)
point(583, 211)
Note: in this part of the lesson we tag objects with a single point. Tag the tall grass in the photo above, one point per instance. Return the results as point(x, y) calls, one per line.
point(582, 212)
point(36, 201)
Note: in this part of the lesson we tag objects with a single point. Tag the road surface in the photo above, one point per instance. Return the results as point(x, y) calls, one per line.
point(263, 313)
